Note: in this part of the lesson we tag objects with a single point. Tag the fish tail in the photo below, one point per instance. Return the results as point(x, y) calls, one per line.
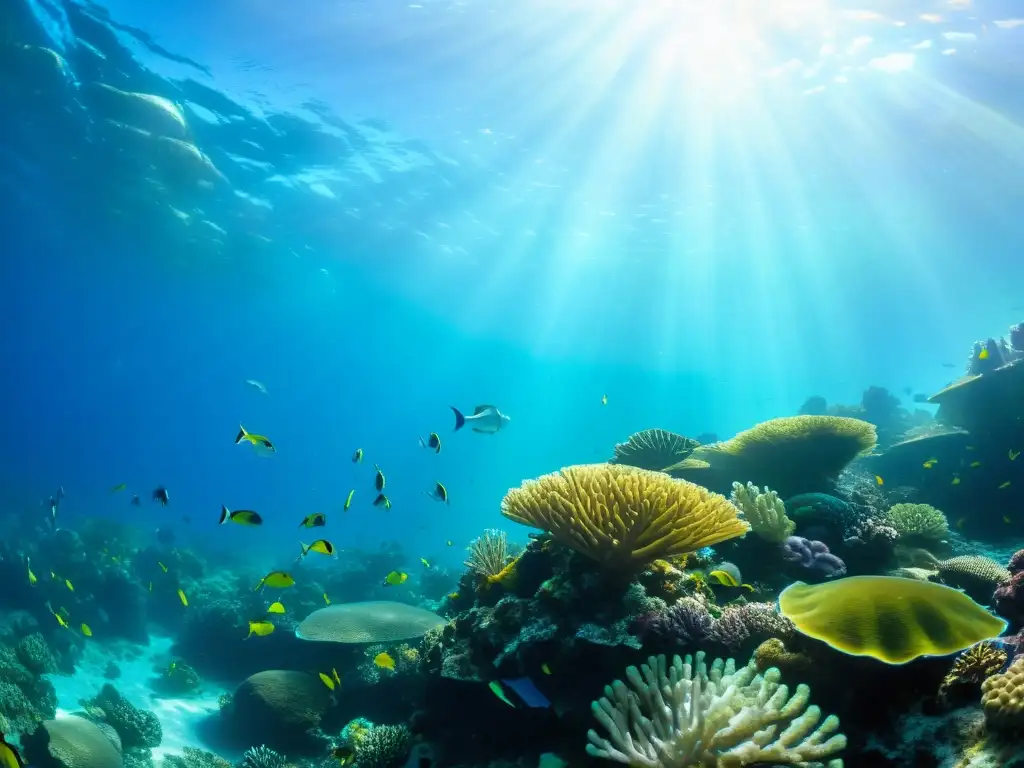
point(438, 449)
point(460, 420)
point(225, 513)
point(241, 434)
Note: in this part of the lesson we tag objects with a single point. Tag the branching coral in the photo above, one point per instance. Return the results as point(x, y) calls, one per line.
point(262, 757)
point(921, 521)
point(622, 516)
point(653, 449)
point(383, 746)
point(973, 667)
point(764, 510)
point(684, 714)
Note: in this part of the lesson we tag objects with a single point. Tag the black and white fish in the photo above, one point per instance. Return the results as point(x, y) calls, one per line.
point(486, 419)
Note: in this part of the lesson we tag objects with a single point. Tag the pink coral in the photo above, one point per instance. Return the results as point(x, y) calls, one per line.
point(1016, 564)
point(1008, 599)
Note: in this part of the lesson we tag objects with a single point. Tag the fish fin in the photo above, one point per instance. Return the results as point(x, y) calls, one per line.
point(241, 434)
point(422, 444)
point(460, 420)
point(225, 513)
point(481, 408)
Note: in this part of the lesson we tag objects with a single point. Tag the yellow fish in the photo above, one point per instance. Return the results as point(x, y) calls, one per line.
point(956, 480)
point(60, 619)
point(344, 755)
point(384, 661)
point(453, 595)
point(545, 668)
point(327, 599)
point(1012, 454)
point(983, 355)
point(497, 690)
point(975, 464)
point(260, 442)
point(382, 501)
point(426, 564)
point(604, 399)
point(181, 596)
point(395, 578)
point(315, 520)
point(240, 516)
point(119, 487)
point(277, 580)
point(162, 566)
point(879, 480)
point(379, 481)
point(448, 543)
point(276, 607)
point(69, 585)
point(357, 457)
point(86, 630)
point(10, 757)
point(348, 499)
point(1005, 485)
point(259, 628)
point(31, 576)
point(327, 680)
point(930, 463)
point(724, 578)
point(337, 677)
point(1006, 520)
point(323, 546)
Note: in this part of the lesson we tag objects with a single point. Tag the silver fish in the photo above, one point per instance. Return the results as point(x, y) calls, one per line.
point(486, 419)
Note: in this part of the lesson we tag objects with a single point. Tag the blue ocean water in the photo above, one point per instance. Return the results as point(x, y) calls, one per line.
point(600, 217)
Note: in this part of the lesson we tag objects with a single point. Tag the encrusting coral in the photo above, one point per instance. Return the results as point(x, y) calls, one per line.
point(764, 510)
point(1002, 697)
point(623, 516)
point(683, 714)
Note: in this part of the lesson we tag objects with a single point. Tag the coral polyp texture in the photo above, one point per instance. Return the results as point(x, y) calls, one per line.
point(793, 454)
point(623, 516)
point(920, 521)
point(1002, 697)
point(653, 449)
point(373, 621)
point(684, 715)
point(764, 510)
point(888, 618)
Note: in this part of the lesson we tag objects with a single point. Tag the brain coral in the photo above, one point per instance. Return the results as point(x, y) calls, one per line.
point(888, 618)
point(653, 449)
point(279, 707)
point(368, 622)
point(73, 742)
point(1002, 697)
point(623, 516)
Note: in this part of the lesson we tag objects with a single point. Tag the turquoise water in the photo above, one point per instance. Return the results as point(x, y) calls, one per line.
point(600, 217)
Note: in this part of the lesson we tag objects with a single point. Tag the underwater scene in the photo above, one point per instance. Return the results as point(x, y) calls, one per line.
point(493, 384)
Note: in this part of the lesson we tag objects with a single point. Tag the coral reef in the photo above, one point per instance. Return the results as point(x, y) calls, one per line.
point(918, 521)
point(970, 670)
point(367, 622)
point(71, 742)
point(680, 714)
point(814, 556)
point(280, 708)
point(1002, 698)
point(1008, 598)
point(135, 727)
point(26, 698)
point(383, 746)
point(622, 516)
point(764, 510)
point(262, 757)
point(192, 757)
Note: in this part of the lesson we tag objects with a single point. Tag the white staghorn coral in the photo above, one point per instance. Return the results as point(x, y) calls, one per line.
point(686, 716)
point(764, 510)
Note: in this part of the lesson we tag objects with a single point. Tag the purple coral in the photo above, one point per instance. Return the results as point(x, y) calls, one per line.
point(746, 621)
point(813, 555)
point(687, 623)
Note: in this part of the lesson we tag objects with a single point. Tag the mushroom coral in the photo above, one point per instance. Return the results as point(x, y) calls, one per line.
point(793, 454)
point(888, 618)
point(623, 516)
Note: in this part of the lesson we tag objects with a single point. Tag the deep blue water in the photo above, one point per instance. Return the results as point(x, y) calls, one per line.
point(436, 203)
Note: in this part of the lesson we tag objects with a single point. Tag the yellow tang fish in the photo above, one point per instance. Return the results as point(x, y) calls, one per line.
point(86, 630)
point(1005, 485)
point(181, 596)
point(31, 576)
point(1013, 454)
point(432, 441)
point(337, 677)
point(260, 442)
point(348, 499)
point(724, 578)
point(879, 480)
point(323, 546)
point(395, 578)
point(69, 585)
point(259, 628)
point(453, 595)
point(277, 580)
point(975, 464)
point(379, 481)
point(426, 563)
point(10, 757)
point(545, 668)
point(162, 566)
point(357, 456)
point(498, 691)
point(316, 520)
point(930, 463)
point(983, 355)
point(384, 661)
point(276, 607)
point(119, 487)
point(956, 480)
point(327, 680)
point(327, 599)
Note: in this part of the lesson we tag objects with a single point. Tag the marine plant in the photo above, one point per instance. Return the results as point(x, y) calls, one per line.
point(262, 757)
point(653, 449)
point(683, 714)
point(623, 517)
point(490, 554)
point(891, 619)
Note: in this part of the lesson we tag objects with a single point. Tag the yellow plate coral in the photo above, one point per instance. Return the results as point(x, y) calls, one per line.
point(888, 618)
